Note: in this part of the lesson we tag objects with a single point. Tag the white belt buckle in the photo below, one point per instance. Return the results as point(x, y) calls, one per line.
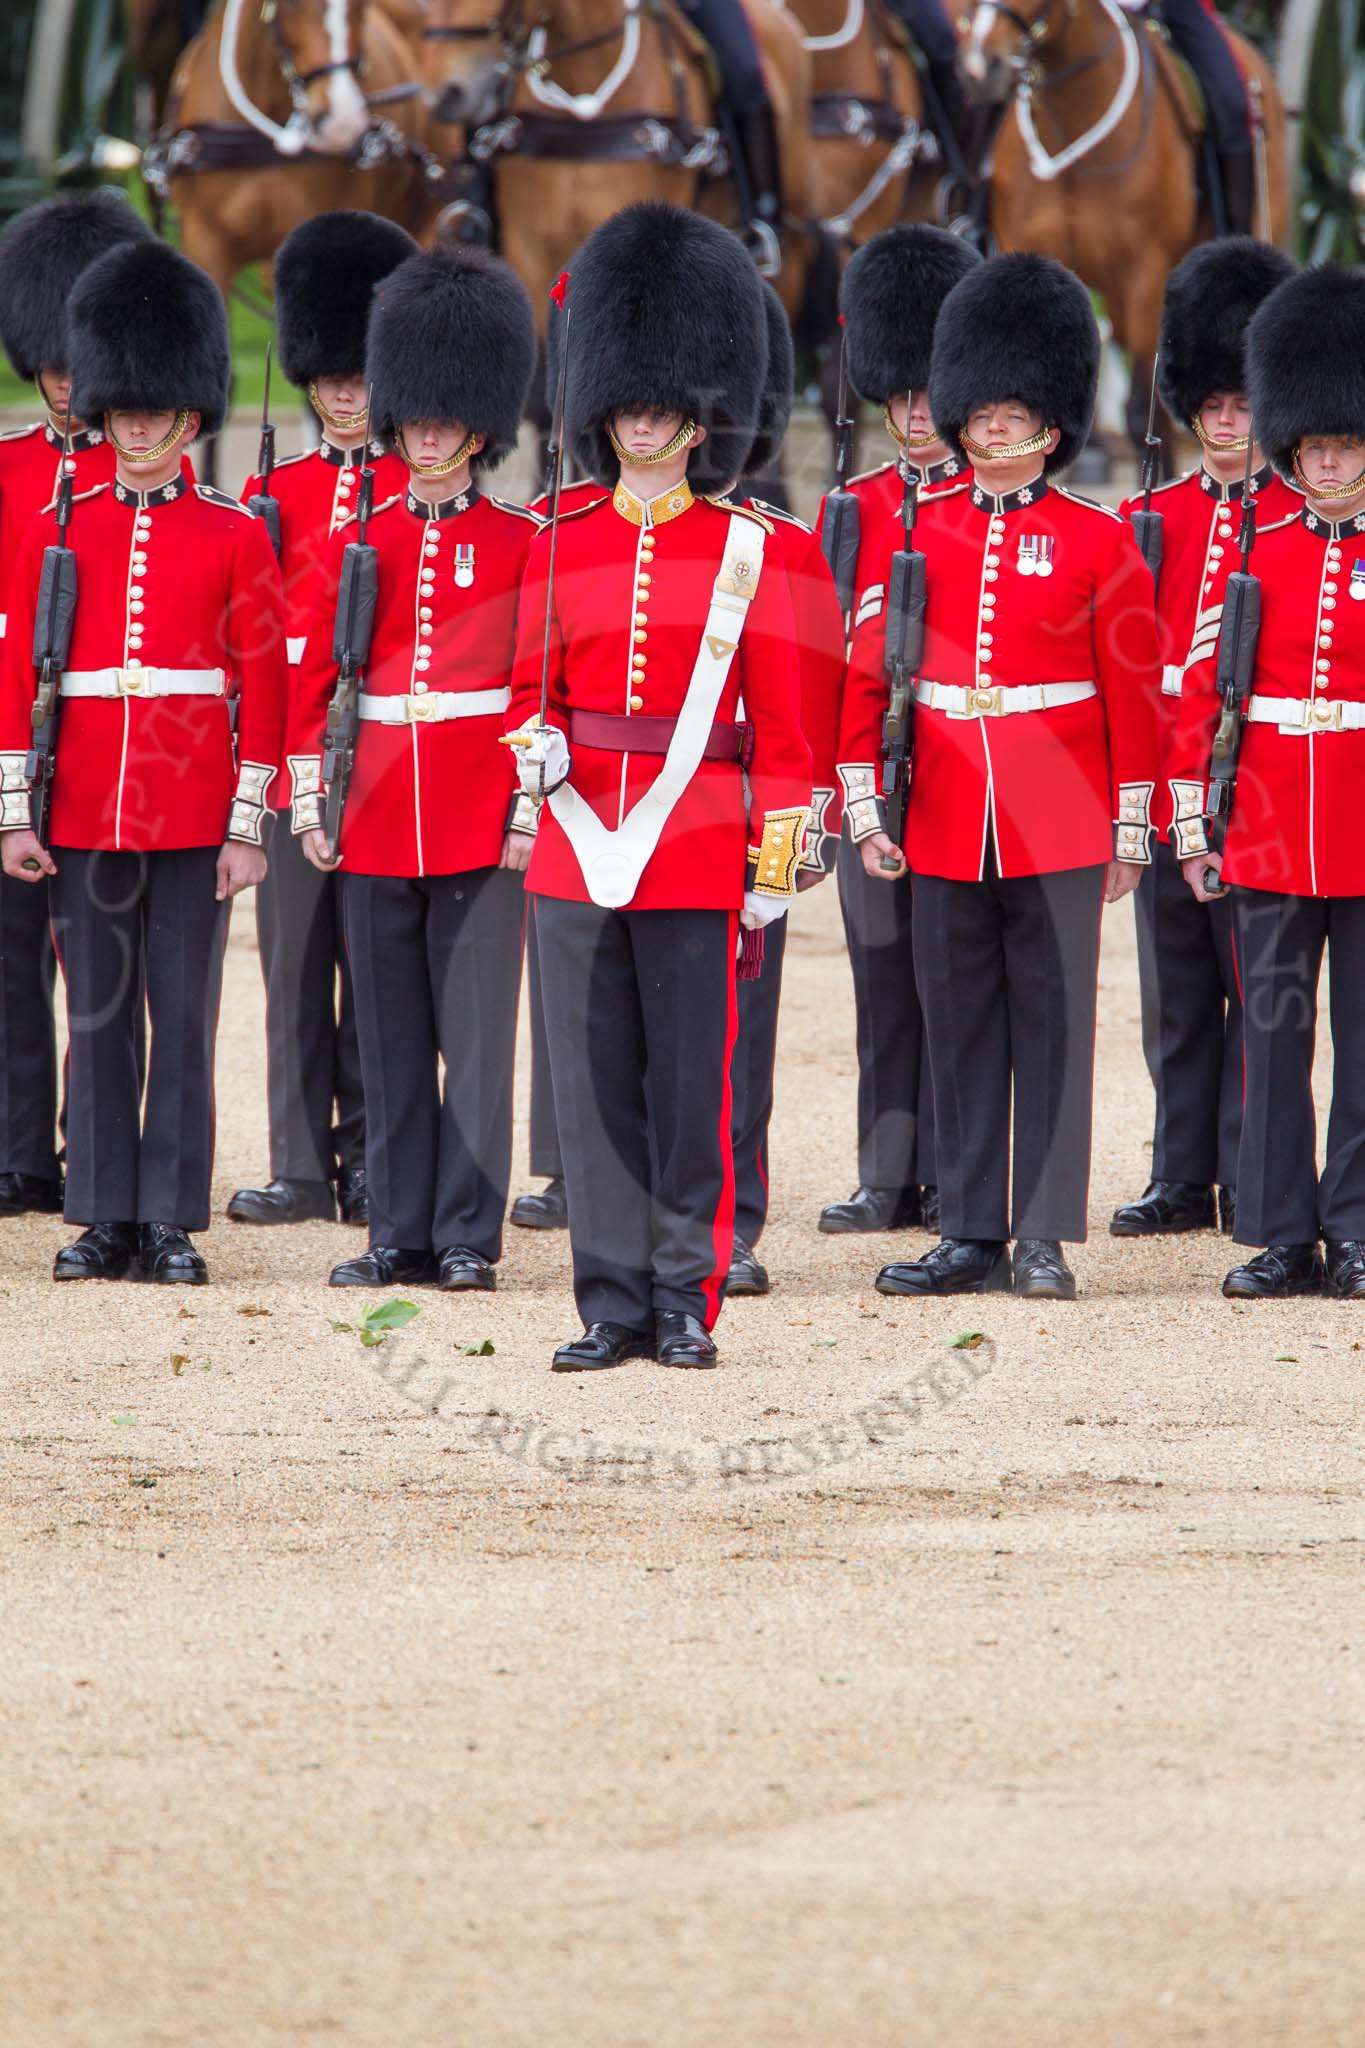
point(985, 702)
point(1326, 712)
point(133, 682)
point(420, 710)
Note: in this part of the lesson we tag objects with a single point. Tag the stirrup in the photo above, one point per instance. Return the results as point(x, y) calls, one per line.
point(763, 245)
point(464, 222)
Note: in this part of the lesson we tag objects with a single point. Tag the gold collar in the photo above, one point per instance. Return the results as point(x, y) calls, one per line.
point(652, 511)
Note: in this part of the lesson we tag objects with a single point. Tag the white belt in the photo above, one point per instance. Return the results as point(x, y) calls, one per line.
point(143, 682)
point(433, 707)
point(1306, 714)
point(1173, 679)
point(1000, 700)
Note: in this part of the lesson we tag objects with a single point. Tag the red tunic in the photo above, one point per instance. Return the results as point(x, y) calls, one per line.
point(622, 590)
point(1295, 819)
point(174, 579)
point(427, 797)
point(1051, 788)
point(30, 458)
point(1200, 521)
point(572, 498)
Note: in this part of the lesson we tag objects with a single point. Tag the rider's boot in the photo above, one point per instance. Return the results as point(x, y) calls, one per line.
point(1237, 177)
point(758, 177)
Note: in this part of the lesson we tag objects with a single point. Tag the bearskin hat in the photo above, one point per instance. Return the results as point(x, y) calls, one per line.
point(149, 333)
point(779, 388)
point(892, 291)
point(1305, 370)
point(1210, 296)
point(1022, 327)
point(452, 337)
point(42, 253)
point(325, 274)
point(667, 313)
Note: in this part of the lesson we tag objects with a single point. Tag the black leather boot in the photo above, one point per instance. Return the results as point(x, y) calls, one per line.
point(956, 1265)
point(24, 1194)
point(284, 1201)
point(758, 180)
point(1167, 1206)
point(1346, 1268)
point(602, 1346)
point(103, 1252)
point(1227, 1210)
point(747, 1274)
point(461, 1271)
point(1237, 180)
point(1276, 1273)
point(546, 1210)
point(385, 1265)
point(684, 1340)
point(868, 1210)
point(1041, 1271)
point(353, 1195)
point(166, 1257)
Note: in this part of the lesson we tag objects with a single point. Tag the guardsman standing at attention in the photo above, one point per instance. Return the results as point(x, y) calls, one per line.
point(664, 612)
point(1191, 1008)
point(324, 276)
point(42, 254)
point(820, 659)
point(1294, 858)
point(1034, 761)
point(892, 292)
point(435, 836)
point(154, 828)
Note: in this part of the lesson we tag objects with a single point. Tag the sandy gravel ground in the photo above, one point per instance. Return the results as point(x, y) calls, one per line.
point(868, 1693)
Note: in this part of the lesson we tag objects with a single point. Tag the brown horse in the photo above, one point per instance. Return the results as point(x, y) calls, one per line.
point(1096, 160)
point(578, 107)
point(865, 115)
point(275, 117)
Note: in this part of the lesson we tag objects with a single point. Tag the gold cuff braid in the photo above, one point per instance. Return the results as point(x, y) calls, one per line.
point(778, 854)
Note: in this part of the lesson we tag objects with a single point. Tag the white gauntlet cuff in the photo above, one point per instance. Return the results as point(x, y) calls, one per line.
point(818, 857)
point(15, 806)
point(1189, 834)
point(524, 815)
point(863, 807)
point(248, 806)
point(1133, 826)
point(306, 809)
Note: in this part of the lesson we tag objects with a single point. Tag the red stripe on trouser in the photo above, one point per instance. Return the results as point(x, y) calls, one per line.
point(723, 1228)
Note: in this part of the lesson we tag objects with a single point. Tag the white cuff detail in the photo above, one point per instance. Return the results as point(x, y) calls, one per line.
point(1190, 836)
point(306, 809)
point(248, 806)
point(294, 648)
point(1133, 826)
point(524, 815)
point(863, 807)
point(15, 806)
point(819, 854)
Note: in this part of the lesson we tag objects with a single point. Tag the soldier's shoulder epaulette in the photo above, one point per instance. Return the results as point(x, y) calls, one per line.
point(1172, 483)
point(518, 511)
point(740, 511)
point(77, 497)
point(1277, 525)
point(865, 476)
point(568, 512)
point(22, 433)
point(288, 461)
point(1090, 504)
point(780, 514)
point(385, 505)
point(941, 497)
point(211, 495)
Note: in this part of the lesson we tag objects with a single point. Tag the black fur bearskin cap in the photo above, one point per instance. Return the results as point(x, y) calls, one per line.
point(325, 275)
point(666, 313)
point(1210, 298)
point(42, 253)
point(892, 292)
point(149, 333)
point(1022, 327)
point(452, 337)
point(1305, 367)
point(779, 388)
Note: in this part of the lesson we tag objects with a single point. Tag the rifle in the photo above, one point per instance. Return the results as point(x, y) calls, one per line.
point(839, 526)
point(51, 644)
point(356, 599)
point(263, 503)
point(1238, 633)
point(1147, 524)
point(905, 606)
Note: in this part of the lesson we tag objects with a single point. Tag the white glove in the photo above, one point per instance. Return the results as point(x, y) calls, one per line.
point(543, 763)
point(761, 910)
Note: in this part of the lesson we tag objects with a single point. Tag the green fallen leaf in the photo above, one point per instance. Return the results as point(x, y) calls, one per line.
point(393, 1315)
point(142, 1479)
point(124, 1421)
point(348, 1327)
point(252, 1308)
point(483, 1350)
point(371, 1338)
point(824, 1343)
point(968, 1341)
point(1287, 1359)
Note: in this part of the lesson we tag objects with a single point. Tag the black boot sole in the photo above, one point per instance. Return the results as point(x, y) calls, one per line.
point(643, 1349)
point(533, 1222)
point(1001, 1282)
point(62, 1277)
point(1180, 1229)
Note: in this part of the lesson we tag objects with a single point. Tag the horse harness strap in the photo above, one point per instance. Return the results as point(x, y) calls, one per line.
point(233, 146)
point(621, 138)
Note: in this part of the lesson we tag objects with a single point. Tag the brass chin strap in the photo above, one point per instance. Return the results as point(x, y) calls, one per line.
point(1220, 447)
point(339, 422)
point(467, 449)
point(1328, 493)
point(912, 443)
point(1036, 444)
point(671, 448)
point(139, 458)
